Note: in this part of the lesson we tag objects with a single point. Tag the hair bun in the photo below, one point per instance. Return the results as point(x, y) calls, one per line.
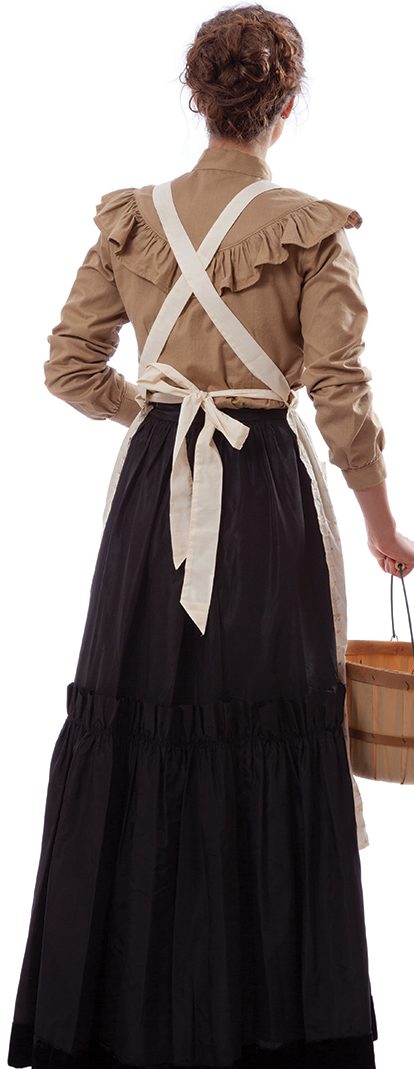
point(243, 66)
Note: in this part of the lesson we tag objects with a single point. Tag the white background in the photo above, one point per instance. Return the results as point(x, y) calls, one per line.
point(91, 103)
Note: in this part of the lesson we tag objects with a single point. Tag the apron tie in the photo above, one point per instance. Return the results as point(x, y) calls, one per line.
point(195, 500)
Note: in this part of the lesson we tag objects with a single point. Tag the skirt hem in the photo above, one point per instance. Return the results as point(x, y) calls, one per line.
point(350, 1052)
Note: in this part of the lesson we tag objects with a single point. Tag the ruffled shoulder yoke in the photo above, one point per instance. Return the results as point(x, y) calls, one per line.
point(303, 220)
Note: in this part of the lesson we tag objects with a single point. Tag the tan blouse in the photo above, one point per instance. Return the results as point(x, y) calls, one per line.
point(285, 268)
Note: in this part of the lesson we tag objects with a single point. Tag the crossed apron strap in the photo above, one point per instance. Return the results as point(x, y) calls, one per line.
point(181, 291)
point(194, 279)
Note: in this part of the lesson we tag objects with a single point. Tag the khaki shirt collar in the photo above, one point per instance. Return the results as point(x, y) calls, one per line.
point(232, 159)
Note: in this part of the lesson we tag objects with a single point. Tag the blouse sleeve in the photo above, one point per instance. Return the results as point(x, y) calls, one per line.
point(84, 341)
point(333, 317)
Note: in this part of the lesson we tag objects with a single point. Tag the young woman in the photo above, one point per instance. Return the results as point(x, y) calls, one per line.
point(198, 900)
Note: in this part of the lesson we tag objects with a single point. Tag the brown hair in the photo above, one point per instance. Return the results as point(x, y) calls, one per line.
point(244, 65)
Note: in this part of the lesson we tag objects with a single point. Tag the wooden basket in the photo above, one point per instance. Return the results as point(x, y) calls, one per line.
point(380, 706)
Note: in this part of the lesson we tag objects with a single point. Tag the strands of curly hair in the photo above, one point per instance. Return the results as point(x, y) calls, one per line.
point(242, 68)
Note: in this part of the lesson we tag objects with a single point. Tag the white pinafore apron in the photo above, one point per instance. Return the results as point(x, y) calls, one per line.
point(195, 501)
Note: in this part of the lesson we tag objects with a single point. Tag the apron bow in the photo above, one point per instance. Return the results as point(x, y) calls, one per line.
point(195, 499)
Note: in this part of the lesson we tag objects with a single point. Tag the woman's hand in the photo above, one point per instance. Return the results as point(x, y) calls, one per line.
point(387, 545)
point(392, 550)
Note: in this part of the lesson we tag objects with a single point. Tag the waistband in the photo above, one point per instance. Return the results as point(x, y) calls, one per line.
point(171, 410)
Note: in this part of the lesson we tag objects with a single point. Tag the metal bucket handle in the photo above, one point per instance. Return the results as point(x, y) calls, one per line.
point(400, 567)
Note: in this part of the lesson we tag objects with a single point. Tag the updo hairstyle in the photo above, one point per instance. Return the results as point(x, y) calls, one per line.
point(243, 66)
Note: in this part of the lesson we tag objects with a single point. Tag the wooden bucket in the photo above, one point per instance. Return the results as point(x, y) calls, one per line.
point(380, 704)
point(380, 709)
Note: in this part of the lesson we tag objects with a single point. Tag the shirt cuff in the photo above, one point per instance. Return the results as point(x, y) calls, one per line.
point(369, 475)
point(128, 408)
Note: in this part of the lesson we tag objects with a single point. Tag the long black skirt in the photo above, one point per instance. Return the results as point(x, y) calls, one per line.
point(198, 900)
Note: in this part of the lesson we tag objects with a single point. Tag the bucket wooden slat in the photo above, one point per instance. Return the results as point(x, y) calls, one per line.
point(380, 709)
